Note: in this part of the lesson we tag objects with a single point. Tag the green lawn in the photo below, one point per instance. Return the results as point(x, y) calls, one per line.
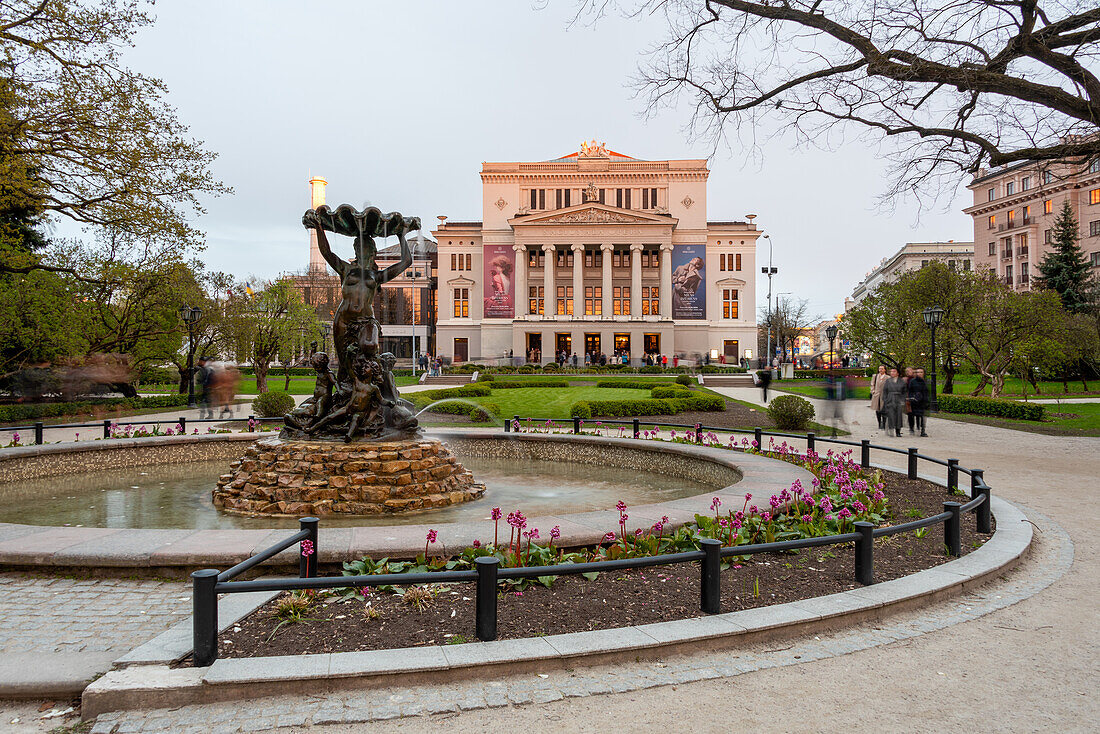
point(1086, 420)
point(555, 402)
point(586, 379)
point(963, 385)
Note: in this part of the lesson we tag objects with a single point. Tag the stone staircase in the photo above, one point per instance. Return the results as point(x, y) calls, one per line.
point(728, 381)
point(447, 380)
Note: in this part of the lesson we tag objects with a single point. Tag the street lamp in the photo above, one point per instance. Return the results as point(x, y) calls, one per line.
point(190, 316)
point(932, 318)
point(769, 271)
point(326, 329)
point(830, 331)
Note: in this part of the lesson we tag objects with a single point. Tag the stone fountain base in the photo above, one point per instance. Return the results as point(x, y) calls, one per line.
point(292, 478)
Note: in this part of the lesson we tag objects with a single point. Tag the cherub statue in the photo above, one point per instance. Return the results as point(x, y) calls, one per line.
point(364, 408)
point(317, 407)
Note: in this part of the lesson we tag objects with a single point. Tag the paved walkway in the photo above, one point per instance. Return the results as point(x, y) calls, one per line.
point(979, 662)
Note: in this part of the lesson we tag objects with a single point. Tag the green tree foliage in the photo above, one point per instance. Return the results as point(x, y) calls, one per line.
point(1065, 269)
point(83, 137)
point(265, 325)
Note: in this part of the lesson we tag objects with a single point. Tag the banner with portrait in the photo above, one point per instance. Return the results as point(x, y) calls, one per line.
point(499, 282)
point(689, 282)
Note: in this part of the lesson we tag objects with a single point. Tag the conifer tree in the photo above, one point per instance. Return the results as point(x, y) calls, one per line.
point(1064, 269)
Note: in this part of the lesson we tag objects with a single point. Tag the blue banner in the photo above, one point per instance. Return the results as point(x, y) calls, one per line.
point(689, 279)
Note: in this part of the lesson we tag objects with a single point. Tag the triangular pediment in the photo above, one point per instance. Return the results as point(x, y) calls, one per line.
point(593, 213)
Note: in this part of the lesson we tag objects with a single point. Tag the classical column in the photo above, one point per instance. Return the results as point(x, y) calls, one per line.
point(520, 280)
point(635, 280)
point(665, 293)
point(550, 304)
point(606, 252)
point(578, 280)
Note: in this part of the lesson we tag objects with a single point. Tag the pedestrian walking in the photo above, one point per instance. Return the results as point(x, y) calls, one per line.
point(917, 395)
point(893, 401)
point(877, 383)
point(764, 378)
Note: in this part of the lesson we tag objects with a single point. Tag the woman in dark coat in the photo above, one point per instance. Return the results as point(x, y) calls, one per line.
point(893, 402)
point(917, 396)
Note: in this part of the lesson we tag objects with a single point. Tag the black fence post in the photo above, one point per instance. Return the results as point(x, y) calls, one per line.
point(952, 529)
point(810, 441)
point(865, 453)
point(698, 433)
point(576, 424)
point(952, 474)
point(758, 436)
point(637, 428)
point(486, 609)
point(183, 425)
point(307, 563)
point(106, 429)
point(38, 433)
point(984, 512)
point(251, 423)
point(710, 588)
point(204, 602)
point(865, 553)
point(912, 463)
point(507, 425)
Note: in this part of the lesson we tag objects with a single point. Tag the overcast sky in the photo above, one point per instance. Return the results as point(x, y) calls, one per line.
point(399, 103)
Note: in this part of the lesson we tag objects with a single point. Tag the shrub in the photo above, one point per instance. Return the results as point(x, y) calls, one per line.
point(633, 384)
point(153, 375)
point(716, 369)
point(669, 391)
point(480, 415)
point(551, 367)
point(484, 377)
point(472, 390)
point(685, 380)
point(995, 407)
point(272, 404)
point(790, 412)
point(526, 369)
point(650, 370)
point(668, 406)
point(516, 384)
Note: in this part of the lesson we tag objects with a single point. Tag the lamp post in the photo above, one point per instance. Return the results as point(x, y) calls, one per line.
point(769, 271)
point(190, 316)
point(326, 329)
point(932, 318)
point(830, 331)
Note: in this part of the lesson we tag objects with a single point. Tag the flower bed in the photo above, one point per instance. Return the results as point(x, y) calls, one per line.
point(444, 614)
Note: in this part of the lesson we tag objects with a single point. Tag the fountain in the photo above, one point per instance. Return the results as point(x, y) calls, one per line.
point(355, 447)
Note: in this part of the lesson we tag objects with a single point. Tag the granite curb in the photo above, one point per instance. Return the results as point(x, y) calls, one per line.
point(158, 686)
point(175, 552)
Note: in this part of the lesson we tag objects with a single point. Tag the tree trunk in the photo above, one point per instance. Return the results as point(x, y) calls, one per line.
point(949, 378)
point(998, 385)
point(981, 385)
point(286, 374)
point(261, 377)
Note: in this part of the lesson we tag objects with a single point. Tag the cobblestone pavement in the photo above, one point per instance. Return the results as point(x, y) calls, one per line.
point(417, 708)
point(69, 616)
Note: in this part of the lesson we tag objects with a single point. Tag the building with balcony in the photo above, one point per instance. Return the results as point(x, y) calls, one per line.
point(1014, 211)
point(595, 253)
point(913, 256)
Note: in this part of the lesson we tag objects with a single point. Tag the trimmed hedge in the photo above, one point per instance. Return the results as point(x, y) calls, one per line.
point(995, 407)
point(476, 413)
point(710, 369)
point(669, 391)
point(633, 384)
point(822, 374)
point(790, 412)
point(686, 380)
point(517, 384)
point(473, 390)
point(35, 411)
point(668, 406)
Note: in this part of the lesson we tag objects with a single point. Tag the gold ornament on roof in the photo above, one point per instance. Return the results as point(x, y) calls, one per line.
point(592, 149)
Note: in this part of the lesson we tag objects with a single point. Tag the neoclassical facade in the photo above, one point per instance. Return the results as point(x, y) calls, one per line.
point(600, 253)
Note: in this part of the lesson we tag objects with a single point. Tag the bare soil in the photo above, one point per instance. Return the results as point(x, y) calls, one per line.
point(575, 604)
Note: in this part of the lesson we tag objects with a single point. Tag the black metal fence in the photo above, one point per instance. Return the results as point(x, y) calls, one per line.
point(106, 424)
point(487, 574)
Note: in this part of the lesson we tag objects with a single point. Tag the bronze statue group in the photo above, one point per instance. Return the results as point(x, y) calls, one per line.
point(360, 398)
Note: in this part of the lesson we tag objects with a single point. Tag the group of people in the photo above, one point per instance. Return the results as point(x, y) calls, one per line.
point(218, 383)
point(434, 367)
point(894, 395)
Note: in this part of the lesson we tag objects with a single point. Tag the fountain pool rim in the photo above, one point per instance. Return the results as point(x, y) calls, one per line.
point(175, 552)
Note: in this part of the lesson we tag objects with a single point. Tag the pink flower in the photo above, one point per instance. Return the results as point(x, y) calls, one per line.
point(431, 536)
point(609, 538)
point(555, 532)
point(715, 503)
point(307, 548)
point(477, 543)
point(620, 506)
point(495, 514)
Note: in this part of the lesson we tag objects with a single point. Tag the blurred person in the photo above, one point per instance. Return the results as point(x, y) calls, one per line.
point(916, 391)
point(909, 374)
point(763, 379)
point(226, 386)
point(877, 383)
point(893, 401)
point(835, 393)
point(204, 376)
